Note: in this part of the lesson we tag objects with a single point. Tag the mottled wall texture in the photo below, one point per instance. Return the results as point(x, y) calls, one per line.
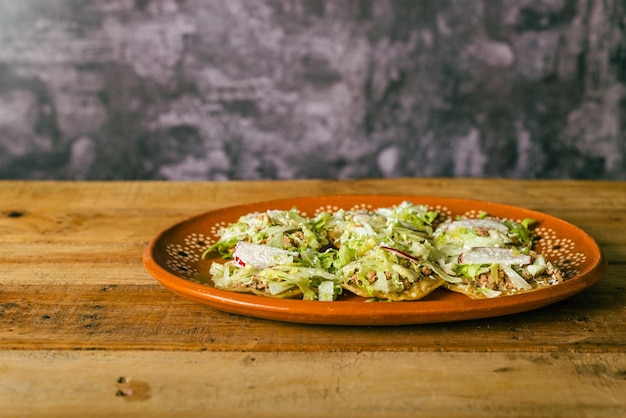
point(277, 89)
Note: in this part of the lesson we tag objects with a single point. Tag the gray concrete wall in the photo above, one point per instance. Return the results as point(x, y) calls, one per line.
point(251, 89)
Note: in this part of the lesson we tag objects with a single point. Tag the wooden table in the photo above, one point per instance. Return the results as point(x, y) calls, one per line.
point(86, 331)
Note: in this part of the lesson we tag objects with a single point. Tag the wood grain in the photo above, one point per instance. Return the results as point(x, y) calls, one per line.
point(82, 322)
point(173, 384)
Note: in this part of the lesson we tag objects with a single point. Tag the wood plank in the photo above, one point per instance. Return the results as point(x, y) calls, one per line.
point(73, 263)
point(149, 317)
point(165, 384)
point(25, 195)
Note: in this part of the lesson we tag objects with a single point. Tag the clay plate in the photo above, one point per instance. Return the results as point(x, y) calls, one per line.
point(173, 258)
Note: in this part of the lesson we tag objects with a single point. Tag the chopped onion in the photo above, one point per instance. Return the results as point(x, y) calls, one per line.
point(538, 266)
point(517, 280)
point(326, 291)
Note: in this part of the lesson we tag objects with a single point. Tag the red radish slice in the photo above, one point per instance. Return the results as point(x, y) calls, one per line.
point(260, 256)
point(400, 253)
point(486, 255)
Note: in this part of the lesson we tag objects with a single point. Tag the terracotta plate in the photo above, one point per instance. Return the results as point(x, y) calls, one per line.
point(173, 258)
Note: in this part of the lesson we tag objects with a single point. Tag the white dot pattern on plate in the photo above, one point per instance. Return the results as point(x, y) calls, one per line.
point(362, 206)
point(473, 214)
point(327, 208)
point(185, 255)
point(215, 229)
point(181, 268)
point(198, 241)
point(180, 252)
point(444, 213)
point(561, 251)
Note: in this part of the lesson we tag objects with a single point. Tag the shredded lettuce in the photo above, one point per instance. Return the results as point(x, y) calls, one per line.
point(379, 251)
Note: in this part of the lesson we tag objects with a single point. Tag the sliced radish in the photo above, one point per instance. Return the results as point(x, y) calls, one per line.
point(487, 255)
point(260, 256)
point(400, 253)
point(478, 223)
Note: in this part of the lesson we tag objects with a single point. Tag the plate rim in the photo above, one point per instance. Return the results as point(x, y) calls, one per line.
point(381, 313)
